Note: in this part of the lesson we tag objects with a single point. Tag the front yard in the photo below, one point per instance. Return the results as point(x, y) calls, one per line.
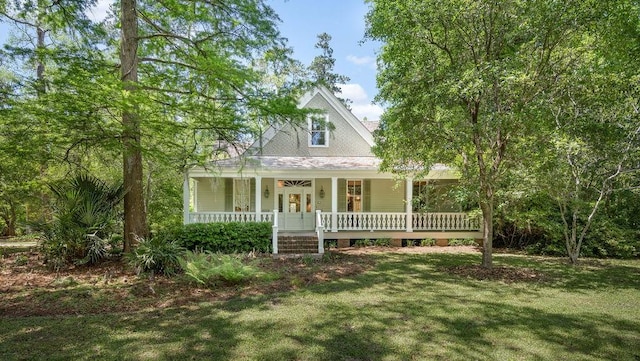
point(353, 305)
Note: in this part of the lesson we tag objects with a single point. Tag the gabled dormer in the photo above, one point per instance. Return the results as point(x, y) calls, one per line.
point(335, 131)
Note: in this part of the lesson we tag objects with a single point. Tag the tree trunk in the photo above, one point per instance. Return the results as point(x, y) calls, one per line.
point(10, 218)
point(41, 89)
point(135, 218)
point(487, 234)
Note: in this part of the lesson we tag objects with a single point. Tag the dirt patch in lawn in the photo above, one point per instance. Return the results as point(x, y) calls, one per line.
point(411, 250)
point(498, 273)
point(29, 288)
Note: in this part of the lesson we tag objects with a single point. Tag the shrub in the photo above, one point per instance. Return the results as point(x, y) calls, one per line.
point(330, 244)
point(86, 217)
point(382, 242)
point(233, 237)
point(156, 255)
point(21, 260)
point(607, 239)
point(428, 242)
point(363, 243)
point(462, 242)
point(208, 269)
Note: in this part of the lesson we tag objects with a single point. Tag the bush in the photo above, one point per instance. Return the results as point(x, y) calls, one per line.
point(233, 237)
point(208, 269)
point(607, 239)
point(86, 218)
point(428, 242)
point(382, 242)
point(363, 243)
point(330, 244)
point(462, 242)
point(156, 255)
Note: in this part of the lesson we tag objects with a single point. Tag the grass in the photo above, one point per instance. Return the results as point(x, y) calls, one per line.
point(406, 307)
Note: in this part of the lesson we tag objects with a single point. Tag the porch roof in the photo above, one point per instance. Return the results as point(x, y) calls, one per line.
point(309, 166)
point(302, 163)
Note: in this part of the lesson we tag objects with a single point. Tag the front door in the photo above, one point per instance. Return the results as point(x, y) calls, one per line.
point(298, 209)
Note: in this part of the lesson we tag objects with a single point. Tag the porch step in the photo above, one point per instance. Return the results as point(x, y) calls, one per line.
point(297, 244)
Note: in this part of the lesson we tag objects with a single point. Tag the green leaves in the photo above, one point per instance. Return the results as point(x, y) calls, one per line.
point(480, 84)
point(224, 237)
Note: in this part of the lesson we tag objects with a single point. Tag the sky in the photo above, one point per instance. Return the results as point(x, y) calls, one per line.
point(302, 21)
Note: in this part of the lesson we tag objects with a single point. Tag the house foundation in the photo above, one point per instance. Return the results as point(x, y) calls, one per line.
point(344, 243)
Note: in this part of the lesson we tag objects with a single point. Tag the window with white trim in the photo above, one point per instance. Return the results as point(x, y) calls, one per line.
point(242, 195)
point(354, 195)
point(318, 130)
point(419, 196)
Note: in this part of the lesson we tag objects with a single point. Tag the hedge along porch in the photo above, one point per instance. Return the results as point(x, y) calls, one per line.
point(323, 178)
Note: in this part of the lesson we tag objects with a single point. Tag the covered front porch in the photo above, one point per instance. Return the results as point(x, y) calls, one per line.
point(345, 206)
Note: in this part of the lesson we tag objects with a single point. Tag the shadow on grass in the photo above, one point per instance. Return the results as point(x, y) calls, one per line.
point(407, 307)
point(171, 334)
point(463, 338)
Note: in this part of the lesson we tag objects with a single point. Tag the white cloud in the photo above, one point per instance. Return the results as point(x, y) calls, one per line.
point(355, 92)
point(370, 111)
point(361, 106)
point(100, 11)
point(362, 60)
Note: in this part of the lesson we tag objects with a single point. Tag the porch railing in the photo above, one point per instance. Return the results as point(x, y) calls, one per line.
point(445, 222)
point(382, 221)
point(224, 217)
point(364, 221)
point(348, 221)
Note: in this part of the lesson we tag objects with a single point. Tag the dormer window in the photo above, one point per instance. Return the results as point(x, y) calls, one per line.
point(318, 131)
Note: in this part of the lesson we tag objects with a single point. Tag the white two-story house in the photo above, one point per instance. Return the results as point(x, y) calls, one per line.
point(323, 178)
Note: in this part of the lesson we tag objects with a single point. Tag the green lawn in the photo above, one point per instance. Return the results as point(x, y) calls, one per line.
point(409, 307)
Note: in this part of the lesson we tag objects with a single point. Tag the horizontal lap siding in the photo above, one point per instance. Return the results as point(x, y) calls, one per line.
point(268, 204)
point(387, 196)
point(323, 204)
point(210, 195)
point(344, 140)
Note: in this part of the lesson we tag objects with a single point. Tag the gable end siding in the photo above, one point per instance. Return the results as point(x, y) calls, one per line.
point(344, 140)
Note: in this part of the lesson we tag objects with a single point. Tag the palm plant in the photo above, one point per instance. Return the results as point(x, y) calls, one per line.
point(86, 217)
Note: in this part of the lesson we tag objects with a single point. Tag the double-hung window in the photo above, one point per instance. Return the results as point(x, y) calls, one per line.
point(242, 195)
point(354, 195)
point(318, 131)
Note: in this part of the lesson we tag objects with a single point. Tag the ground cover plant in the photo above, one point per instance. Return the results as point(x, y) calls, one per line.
point(361, 304)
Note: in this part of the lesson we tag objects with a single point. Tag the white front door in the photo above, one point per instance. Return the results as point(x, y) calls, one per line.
point(298, 209)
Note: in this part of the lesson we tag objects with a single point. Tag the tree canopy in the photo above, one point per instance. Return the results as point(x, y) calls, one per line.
point(155, 83)
point(468, 83)
point(321, 67)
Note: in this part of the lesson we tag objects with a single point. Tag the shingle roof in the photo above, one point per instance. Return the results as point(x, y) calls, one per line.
point(309, 163)
point(371, 125)
point(301, 163)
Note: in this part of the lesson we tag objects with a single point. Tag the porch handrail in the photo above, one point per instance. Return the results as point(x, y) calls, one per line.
point(274, 232)
point(445, 221)
point(357, 221)
point(320, 231)
point(371, 221)
point(224, 217)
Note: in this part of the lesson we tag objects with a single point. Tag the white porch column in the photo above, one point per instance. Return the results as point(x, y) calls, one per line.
point(274, 232)
point(334, 204)
point(185, 198)
point(409, 204)
point(258, 195)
